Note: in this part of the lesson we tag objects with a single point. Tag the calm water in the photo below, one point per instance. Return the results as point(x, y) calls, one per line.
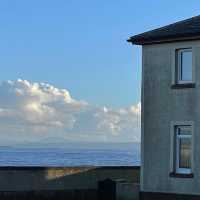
point(126, 155)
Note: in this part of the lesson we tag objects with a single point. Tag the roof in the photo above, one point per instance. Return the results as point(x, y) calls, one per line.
point(188, 29)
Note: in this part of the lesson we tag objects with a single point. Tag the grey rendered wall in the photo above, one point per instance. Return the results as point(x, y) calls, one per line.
point(162, 105)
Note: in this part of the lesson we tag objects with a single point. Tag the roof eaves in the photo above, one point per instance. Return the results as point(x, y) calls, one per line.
point(141, 39)
point(162, 40)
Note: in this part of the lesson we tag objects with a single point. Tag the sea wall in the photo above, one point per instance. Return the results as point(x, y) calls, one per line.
point(59, 182)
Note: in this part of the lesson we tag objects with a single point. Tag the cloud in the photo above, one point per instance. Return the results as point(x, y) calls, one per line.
point(33, 111)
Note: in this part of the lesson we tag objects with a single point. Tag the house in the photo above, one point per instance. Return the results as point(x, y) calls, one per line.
point(170, 164)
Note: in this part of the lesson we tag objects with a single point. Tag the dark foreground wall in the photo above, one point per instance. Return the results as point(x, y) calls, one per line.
point(167, 196)
point(76, 183)
point(86, 194)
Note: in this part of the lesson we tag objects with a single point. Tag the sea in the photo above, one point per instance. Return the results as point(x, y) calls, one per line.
point(126, 154)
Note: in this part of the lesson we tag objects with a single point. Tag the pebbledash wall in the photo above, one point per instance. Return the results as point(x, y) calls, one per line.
point(161, 106)
point(59, 182)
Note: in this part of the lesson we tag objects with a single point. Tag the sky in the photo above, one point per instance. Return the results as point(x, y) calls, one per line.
point(79, 46)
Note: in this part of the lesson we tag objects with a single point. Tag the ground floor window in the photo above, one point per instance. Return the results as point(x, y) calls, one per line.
point(183, 149)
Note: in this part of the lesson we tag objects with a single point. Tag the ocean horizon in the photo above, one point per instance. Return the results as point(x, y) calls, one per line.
point(87, 154)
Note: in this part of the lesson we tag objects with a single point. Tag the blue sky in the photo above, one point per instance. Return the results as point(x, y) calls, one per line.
point(81, 45)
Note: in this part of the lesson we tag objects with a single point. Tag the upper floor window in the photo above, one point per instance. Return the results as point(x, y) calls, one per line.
point(184, 69)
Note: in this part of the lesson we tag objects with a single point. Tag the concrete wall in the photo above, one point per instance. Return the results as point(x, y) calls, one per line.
point(44, 178)
point(127, 191)
point(162, 105)
point(75, 183)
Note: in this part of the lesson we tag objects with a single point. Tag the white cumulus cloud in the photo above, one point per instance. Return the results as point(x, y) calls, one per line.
point(33, 111)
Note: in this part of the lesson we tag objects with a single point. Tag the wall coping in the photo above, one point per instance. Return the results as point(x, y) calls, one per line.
point(23, 168)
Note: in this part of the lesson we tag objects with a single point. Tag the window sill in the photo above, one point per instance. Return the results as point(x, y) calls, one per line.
point(183, 85)
point(178, 175)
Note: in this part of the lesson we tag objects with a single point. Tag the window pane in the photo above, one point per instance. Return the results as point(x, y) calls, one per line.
point(185, 153)
point(186, 66)
point(184, 130)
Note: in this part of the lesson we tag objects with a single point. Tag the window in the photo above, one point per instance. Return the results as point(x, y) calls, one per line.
point(183, 154)
point(184, 70)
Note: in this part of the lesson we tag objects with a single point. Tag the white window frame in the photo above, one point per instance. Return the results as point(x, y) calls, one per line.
point(179, 66)
point(174, 158)
point(177, 157)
